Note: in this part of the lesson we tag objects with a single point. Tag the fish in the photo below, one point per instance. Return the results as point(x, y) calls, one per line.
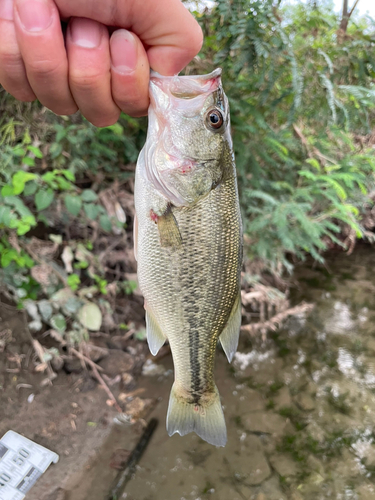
point(188, 243)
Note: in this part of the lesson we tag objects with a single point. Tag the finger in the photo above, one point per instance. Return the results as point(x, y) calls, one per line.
point(90, 71)
point(172, 35)
point(12, 70)
point(42, 48)
point(130, 73)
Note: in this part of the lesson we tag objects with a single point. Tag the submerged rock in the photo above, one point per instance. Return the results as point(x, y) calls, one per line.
point(283, 464)
point(265, 422)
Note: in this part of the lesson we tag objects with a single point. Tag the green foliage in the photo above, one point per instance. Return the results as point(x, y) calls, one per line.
point(302, 107)
point(301, 99)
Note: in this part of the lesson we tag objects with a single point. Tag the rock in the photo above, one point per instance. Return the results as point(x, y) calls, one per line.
point(271, 489)
point(295, 496)
point(282, 399)
point(152, 369)
point(57, 363)
point(247, 467)
point(117, 362)
point(305, 401)
point(315, 465)
point(73, 365)
point(283, 464)
point(366, 492)
point(260, 496)
point(250, 400)
point(265, 422)
point(127, 381)
point(138, 407)
point(315, 432)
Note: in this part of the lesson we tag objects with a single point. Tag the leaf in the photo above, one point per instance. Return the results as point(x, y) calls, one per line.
point(45, 309)
point(73, 281)
point(89, 195)
point(36, 151)
point(30, 188)
point(7, 190)
point(91, 210)
point(30, 162)
point(105, 223)
point(58, 323)
point(19, 180)
point(43, 199)
point(73, 204)
point(90, 316)
point(5, 215)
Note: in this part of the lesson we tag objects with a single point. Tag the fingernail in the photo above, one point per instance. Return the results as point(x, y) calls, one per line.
point(85, 33)
point(6, 10)
point(35, 15)
point(123, 51)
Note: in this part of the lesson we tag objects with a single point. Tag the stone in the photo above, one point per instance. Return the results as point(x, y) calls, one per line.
point(73, 365)
point(264, 422)
point(304, 401)
point(315, 432)
point(283, 464)
point(138, 407)
point(117, 362)
point(260, 496)
point(271, 489)
point(250, 400)
point(282, 398)
point(315, 465)
point(366, 492)
point(248, 467)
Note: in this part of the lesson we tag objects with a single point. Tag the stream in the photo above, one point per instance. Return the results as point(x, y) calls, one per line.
point(299, 406)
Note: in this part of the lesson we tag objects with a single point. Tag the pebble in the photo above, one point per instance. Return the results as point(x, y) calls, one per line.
point(117, 362)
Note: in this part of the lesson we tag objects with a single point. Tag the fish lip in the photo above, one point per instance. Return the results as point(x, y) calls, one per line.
point(214, 74)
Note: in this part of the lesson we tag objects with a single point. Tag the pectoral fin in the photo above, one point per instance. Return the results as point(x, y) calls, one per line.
point(169, 232)
point(230, 334)
point(155, 337)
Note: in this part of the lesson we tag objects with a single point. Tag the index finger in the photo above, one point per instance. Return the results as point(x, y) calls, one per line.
point(170, 34)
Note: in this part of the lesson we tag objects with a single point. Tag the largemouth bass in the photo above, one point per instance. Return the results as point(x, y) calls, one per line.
point(188, 243)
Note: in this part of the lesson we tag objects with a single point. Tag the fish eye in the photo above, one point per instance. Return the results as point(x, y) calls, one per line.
point(214, 119)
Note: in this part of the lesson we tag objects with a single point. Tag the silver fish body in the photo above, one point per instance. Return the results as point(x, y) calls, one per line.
point(188, 242)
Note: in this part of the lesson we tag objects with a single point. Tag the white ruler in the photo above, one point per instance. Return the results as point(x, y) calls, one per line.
point(22, 462)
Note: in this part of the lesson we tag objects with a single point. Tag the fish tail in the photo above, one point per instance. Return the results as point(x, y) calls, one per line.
point(205, 418)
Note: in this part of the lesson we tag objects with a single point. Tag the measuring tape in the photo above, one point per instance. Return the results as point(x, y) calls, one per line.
point(22, 462)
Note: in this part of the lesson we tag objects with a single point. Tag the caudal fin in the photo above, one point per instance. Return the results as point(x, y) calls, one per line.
point(206, 421)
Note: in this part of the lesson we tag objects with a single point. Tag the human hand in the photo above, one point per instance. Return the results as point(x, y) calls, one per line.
point(98, 73)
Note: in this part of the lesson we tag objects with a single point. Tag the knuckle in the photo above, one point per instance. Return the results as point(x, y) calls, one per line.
point(85, 81)
point(46, 68)
point(8, 61)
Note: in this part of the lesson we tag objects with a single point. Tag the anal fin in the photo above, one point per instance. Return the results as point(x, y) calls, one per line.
point(230, 335)
point(155, 337)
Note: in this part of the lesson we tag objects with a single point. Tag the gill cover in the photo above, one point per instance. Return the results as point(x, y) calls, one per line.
point(188, 123)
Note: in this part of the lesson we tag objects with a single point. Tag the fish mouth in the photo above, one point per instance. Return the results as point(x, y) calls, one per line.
point(187, 87)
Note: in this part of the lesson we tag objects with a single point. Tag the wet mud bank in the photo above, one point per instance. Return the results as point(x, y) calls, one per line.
point(299, 407)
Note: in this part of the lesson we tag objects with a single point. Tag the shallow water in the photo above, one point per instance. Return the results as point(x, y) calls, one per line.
point(299, 407)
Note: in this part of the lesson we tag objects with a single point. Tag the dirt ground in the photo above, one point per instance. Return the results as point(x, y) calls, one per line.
point(73, 416)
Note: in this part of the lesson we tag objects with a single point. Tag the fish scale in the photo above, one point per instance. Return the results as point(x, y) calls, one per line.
point(191, 284)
